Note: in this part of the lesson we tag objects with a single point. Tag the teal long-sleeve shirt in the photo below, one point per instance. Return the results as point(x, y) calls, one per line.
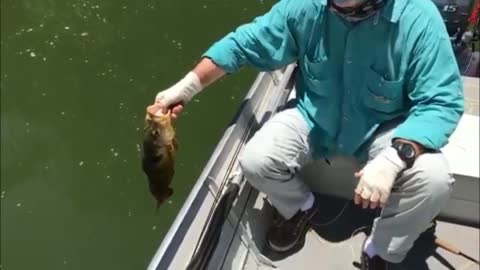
point(353, 77)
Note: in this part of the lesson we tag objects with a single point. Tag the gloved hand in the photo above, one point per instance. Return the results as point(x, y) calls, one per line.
point(377, 178)
point(180, 93)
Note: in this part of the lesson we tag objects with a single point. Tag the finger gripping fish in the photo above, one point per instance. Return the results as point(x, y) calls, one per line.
point(159, 151)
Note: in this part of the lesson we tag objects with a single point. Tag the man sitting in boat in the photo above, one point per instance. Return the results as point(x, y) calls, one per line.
point(378, 81)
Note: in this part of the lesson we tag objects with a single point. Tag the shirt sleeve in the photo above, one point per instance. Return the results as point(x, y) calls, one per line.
point(266, 43)
point(435, 91)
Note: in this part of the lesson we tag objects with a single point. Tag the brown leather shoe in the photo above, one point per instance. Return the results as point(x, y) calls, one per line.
point(284, 235)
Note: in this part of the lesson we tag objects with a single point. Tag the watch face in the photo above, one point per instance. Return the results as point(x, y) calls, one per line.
point(408, 151)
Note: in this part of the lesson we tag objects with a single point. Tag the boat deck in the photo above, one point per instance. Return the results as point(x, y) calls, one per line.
point(337, 245)
point(334, 241)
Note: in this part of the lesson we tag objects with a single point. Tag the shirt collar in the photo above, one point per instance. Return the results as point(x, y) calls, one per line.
point(392, 10)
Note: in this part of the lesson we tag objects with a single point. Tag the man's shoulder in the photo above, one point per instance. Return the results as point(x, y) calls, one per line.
point(300, 4)
point(303, 7)
point(421, 15)
point(421, 11)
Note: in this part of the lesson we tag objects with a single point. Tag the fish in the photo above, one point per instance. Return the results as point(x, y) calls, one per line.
point(160, 147)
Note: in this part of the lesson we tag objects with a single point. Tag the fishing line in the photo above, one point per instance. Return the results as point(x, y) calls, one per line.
point(345, 206)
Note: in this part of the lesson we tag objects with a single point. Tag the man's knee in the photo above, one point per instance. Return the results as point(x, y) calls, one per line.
point(255, 162)
point(433, 172)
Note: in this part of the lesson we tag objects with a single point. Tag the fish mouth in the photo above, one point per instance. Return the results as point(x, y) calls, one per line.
point(159, 118)
point(155, 111)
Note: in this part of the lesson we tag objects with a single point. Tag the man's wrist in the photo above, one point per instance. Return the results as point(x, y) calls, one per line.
point(419, 149)
point(208, 72)
point(189, 86)
point(407, 150)
point(391, 154)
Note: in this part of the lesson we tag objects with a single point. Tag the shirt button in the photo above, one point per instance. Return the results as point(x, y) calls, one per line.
point(345, 118)
point(349, 61)
point(340, 146)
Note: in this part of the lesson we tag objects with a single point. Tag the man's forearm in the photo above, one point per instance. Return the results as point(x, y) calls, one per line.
point(208, 72)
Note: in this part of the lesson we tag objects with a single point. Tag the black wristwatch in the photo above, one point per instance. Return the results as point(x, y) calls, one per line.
point(406, 152)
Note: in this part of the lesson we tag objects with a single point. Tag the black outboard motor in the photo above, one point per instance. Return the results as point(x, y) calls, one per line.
point(456, 15)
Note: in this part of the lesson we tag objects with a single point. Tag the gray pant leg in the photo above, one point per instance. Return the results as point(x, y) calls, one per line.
point(417, 197)
point(273, 156)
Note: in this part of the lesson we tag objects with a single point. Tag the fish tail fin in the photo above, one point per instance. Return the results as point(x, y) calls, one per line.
point(161, 201)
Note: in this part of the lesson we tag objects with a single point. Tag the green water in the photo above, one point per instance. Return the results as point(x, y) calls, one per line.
point(76, 77)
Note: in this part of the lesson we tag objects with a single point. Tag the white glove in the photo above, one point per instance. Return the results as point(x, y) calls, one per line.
point(182, 91)
point(377, 177)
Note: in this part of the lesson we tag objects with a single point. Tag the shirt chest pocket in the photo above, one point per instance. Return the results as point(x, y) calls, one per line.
point(383, 97)
point(317, 76)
